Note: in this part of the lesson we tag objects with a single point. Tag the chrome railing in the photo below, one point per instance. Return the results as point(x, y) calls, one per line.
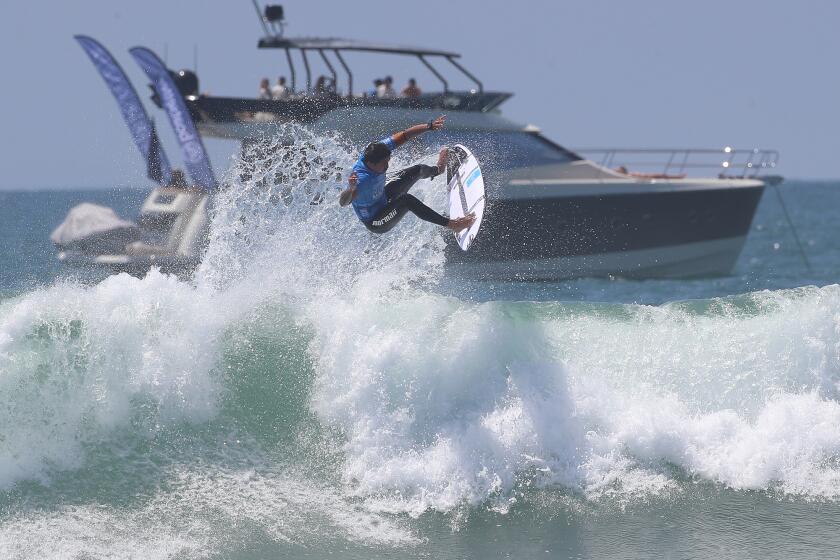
point(728, 161)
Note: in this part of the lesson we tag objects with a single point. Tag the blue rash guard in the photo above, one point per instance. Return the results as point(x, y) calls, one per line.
point(370, 188)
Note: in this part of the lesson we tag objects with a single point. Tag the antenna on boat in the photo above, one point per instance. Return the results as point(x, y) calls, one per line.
point(262, 20)
point(271, 17)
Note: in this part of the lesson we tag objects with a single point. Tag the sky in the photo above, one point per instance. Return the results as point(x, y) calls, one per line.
point(640, 74)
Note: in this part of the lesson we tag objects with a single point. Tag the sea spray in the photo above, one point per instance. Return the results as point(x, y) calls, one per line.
point(278, 222)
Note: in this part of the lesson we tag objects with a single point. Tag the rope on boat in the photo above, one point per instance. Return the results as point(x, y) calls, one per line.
point(792, 228)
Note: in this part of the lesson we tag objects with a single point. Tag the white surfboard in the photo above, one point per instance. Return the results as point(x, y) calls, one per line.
point(466, 191)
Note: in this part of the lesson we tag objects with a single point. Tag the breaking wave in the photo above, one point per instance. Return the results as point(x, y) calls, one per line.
point(312, 364)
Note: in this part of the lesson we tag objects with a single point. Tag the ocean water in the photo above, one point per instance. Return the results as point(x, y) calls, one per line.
point(315, 392)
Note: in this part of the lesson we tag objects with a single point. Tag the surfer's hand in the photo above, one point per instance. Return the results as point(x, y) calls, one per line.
point(443, 157)
point(464, 222)
point(437, 124)
point(348, 194)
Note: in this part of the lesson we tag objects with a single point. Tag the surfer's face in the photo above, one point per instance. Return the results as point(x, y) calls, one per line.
point(380, 167)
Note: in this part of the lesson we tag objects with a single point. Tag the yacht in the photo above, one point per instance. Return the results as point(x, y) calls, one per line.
point(551, 213)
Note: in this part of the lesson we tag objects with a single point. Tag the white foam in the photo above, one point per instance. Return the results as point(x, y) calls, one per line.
point(201, 514)
point(77, 362)
point(433, 415)
point(445, 402)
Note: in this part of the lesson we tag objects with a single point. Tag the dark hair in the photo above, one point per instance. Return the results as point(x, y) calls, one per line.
point(376, 152)
point(377, 82)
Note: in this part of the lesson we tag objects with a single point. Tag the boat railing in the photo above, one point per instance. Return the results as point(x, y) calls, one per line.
point(728, 161)
point(306, 108)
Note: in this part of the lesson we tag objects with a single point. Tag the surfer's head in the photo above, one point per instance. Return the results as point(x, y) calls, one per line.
point(376, 157)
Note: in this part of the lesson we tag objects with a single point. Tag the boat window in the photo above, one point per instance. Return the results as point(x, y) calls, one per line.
point(155, 222)
point(504, 150)
point(164, 198)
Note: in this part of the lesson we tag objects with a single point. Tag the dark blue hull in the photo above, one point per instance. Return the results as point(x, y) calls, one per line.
point(594, 229)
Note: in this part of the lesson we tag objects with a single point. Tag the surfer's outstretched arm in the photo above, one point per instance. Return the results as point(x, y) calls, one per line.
point(404, 136)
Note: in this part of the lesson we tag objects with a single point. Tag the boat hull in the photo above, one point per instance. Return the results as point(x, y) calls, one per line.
point(672, 231)
point(704, 259)
point(553, 215)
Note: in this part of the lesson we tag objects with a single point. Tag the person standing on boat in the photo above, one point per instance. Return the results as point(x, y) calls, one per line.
point(265, 89)
point(381, 206)
point(411, 90)
point(385, 89)
point(280, 91)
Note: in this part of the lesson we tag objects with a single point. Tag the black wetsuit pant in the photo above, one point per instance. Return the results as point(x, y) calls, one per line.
point(400, 202)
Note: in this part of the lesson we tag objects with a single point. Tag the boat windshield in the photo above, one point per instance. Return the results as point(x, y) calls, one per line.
point(504, 149)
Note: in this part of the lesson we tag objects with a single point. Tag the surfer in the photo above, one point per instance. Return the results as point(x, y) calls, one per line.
point(379, 205)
